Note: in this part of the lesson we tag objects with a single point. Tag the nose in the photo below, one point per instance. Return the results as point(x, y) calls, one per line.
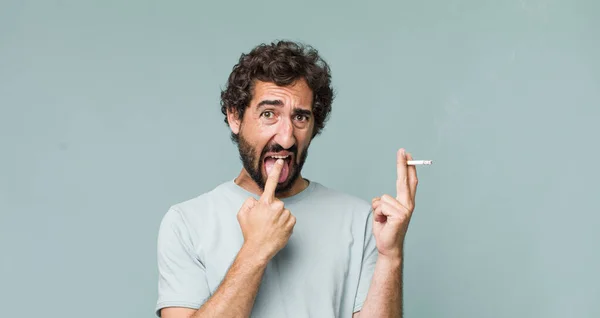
point(285, 134)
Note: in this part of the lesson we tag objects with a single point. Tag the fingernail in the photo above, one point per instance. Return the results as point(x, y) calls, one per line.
point(279, 161)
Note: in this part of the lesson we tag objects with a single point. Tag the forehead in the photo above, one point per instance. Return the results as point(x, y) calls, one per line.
point(297, 94)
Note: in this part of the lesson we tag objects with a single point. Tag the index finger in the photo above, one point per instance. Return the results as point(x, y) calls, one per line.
point(402, 191)
point(272, 181)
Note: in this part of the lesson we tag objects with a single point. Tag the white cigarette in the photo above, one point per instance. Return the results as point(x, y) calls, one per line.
point(419, 162)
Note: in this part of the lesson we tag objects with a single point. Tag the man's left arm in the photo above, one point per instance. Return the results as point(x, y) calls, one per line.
point(385, 293)
point(390, 224)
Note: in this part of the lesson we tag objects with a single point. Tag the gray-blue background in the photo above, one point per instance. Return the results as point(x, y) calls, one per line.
point(110, 114)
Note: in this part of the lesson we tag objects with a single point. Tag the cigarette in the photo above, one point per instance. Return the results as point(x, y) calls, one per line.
point(419, 162)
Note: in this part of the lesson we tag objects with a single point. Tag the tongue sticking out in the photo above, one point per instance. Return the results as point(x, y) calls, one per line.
point(270, 162)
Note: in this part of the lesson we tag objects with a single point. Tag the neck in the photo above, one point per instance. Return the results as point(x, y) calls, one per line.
point(245, 181)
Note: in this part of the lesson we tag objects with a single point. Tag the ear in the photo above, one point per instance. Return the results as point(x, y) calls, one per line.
point(233, 120)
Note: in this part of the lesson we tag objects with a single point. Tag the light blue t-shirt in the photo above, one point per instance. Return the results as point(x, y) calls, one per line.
point(325, 269)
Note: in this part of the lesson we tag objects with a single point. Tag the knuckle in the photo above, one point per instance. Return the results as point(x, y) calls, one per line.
point(387, 198)
point(250, 202)
point(277, 205)
point(385, 206)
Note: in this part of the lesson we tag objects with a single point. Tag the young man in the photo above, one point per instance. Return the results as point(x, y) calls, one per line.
point(270, 243)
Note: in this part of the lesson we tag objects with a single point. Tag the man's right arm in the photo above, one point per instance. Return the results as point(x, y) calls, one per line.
point(266, 226)
point(236, 294)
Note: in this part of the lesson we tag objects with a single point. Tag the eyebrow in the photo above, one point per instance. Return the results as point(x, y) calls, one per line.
point(301, 111)
point(277, 102)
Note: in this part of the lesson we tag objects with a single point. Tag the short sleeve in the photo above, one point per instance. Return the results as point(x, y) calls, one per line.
point(369, 259)
point(181, 274)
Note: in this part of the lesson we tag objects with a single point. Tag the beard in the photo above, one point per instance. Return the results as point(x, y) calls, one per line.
point(253, 163)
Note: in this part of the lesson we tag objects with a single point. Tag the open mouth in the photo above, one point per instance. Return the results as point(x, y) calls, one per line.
point(269, 162)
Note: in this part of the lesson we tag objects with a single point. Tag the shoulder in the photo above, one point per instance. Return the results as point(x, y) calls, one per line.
point(198, 206)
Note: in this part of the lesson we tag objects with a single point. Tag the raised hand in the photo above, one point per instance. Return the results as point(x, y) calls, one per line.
point(266, 224)
point(392, 215)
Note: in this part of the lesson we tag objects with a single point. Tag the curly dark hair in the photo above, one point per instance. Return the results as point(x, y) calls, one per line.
point(282, 62)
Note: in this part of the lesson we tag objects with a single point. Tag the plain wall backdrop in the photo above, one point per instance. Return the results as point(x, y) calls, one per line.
point(110, 114)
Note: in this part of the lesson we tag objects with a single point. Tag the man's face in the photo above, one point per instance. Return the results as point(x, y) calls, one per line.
point(277, 123)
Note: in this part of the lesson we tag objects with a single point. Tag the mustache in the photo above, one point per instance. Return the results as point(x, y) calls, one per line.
point(277, 148)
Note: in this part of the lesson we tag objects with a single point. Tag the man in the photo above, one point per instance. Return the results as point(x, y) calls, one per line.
point(271, 243)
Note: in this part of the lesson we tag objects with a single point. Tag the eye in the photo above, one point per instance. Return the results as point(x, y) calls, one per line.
point(268, 114)
point(301, 117)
